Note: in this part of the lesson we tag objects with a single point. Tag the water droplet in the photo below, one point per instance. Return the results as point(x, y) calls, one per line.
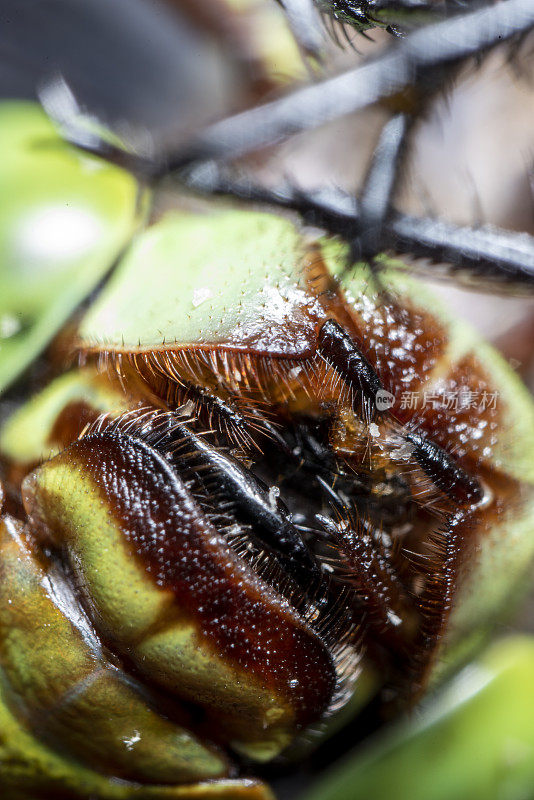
point(200, 296)
point(130, 741)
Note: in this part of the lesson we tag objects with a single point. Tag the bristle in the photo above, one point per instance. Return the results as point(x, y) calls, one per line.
point(377, 588)
point(363, 565)
point(439, 568)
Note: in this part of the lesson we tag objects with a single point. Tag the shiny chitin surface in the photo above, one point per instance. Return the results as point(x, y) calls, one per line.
point(296, 492)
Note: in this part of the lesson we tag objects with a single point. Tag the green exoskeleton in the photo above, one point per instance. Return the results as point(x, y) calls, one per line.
point(262, 494)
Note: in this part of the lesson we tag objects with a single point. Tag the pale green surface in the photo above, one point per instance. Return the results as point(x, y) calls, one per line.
point(201, 279)
point(502, 571)
point(66, 685)
point(127, 603)
point(475, 741)
point(30, 768)
point(142, 619)
point(25, 437)
point(64, 217)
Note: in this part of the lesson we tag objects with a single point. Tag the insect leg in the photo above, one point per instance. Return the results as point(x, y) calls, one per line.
point(444, 471)
point(500, 259)
point(339, 350)
point(444, 43)
point(362, 563)
point(235, 423)
point(252, 502)
point(378, 189)
point(87, 134)
point(423, 52)
point(435, 602)
point(394, 14)
point(305, 24)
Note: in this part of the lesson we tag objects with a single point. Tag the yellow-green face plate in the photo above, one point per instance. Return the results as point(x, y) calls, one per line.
point(231, 279)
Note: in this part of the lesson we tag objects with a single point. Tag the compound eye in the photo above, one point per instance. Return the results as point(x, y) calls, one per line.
point(170, 596)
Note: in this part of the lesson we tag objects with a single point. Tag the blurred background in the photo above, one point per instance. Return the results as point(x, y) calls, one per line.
point(155, 70)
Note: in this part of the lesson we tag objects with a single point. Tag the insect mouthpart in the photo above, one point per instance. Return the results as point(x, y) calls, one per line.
point(271, 419)
point(318, 507)
point(253, 538)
